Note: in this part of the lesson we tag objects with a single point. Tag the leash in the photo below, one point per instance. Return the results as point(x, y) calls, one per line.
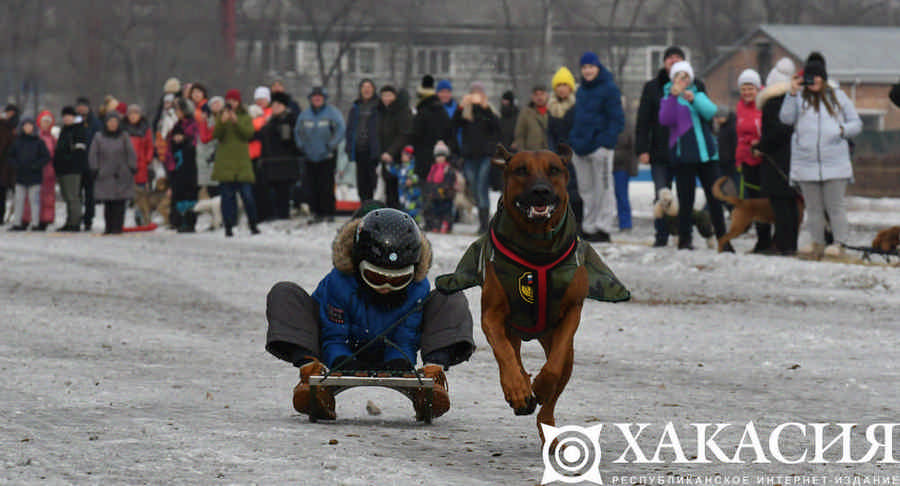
point(382, 337)
point(784, 177)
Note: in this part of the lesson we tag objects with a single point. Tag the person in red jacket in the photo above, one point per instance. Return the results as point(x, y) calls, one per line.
point(138, 129)
point(45, 122)
point(749, 124)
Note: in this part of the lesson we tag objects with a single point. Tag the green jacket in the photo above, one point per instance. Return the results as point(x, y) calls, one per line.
point(232, 154)
point(535, 287)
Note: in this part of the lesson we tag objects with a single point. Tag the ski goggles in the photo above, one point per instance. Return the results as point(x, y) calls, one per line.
point(386, 278)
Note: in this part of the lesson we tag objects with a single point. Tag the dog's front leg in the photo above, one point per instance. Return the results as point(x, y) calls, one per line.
point(559, 346)
point(494, 312)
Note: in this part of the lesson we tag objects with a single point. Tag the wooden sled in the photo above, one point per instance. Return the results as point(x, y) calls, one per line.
point(407, 384)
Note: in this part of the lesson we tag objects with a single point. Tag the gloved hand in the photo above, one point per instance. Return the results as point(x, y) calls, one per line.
point(346, 363)
point(398, 364)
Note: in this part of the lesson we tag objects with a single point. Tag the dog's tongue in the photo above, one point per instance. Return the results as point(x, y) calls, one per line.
point(539, 209)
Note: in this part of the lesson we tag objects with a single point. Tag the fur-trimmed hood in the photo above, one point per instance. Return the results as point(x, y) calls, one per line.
point(772, 91)
point(342, 251)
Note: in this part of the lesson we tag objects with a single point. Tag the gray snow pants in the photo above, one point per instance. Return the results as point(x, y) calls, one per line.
point(293, 333)
point(823, 197)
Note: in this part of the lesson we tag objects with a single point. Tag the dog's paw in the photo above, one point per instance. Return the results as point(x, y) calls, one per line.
point(517, 391)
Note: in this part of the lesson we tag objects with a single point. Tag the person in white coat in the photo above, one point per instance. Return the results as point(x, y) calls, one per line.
point(823, 118)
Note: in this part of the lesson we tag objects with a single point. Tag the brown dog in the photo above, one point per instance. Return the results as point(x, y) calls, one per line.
point(536, 273)
point(887, 239)
point(156, 200)
point(747, 212)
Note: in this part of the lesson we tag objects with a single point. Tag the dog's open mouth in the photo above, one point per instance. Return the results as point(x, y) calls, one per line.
point(537, 212)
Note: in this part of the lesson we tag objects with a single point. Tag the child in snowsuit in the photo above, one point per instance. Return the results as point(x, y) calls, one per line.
point(373, 312)
point(409, 191)
point(28, 155)
point(440, 190)
point(184, 187)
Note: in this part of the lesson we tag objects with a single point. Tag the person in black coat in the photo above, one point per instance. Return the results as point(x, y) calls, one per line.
point(9, 121)
point(279, 159)
point(480, 129)
point(184, 183)
point(726, 136)
point(775, 148)
point(430, 125)
point(651, 140)
point(392, 124)
point(28, 155)
point(92, 126)
point(70, 163)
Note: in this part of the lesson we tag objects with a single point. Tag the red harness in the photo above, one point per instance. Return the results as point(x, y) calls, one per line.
point(541, 292)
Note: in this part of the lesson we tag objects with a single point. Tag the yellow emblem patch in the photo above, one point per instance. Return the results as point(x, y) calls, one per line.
point(526, 287)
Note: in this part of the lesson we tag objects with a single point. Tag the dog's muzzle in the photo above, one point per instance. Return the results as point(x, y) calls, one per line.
point(539, 202)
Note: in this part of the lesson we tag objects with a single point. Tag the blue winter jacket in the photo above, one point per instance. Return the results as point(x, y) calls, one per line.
point(598, 118)
point(348, 321)
point(319, 132)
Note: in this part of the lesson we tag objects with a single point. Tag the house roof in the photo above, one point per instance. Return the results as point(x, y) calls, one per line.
point(851, 52)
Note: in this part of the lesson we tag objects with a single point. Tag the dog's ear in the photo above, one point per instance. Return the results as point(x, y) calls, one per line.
point(564, 152)
point(501, 156)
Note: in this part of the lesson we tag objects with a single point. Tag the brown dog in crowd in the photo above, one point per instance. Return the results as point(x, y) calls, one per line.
point(887, 239)
point(535, 274)
point(747, 212)
point(156, 200)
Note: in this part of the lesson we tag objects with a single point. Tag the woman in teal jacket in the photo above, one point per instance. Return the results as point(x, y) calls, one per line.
point(687, 113)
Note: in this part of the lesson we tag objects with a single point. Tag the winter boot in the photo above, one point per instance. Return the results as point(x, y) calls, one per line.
point(834, 250)
point(254, 230)
point(662, 233)
point(811, 250)
point(324, 408)
point(228, 232)
point(440, 401)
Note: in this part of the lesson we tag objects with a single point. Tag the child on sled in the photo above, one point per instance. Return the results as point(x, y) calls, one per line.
point(377, 289)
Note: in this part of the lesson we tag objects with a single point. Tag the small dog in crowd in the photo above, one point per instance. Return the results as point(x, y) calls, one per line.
point(887, 239)
point(666, 208)
point(213, 207)
point(156, 200)
point(746, 211)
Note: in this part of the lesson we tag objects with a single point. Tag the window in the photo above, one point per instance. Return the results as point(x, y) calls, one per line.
point(433, 61)
point(361, 60)
point(655, 59)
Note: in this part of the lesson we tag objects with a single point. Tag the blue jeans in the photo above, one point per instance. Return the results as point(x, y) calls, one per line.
point(623, 205)
point(230, 190)
point(478, 178)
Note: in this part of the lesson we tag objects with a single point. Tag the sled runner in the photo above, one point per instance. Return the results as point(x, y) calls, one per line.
point(868, 251)
point(406, 383)
point(136, 229)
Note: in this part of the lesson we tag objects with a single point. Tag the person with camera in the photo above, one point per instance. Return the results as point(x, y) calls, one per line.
point(233, 168)
point(480, 128)
point(823, 118)
point(688, 113)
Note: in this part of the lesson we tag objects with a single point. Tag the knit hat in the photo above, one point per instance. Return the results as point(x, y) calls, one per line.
point(816, 56)
point(427, 82)
point(122, 108)
point(233, 94)
point(508, 96)
point(815, 68)
point(388, 89)
point(69, 110)
point(441, 148)
point(318, 91)
point(590, 58)
point(563, 76)
point(173, 85)
point(682, 67)
point(782, 72)
point(113, 114)
point(476, 86)
point(281, 97)
point(673, 51)
point(135, 108)
point(11, 107)
point(409, 150)
point(168, 98)
point(262, 92)
point(444, 84)
point(749, 76)
point(214, 100)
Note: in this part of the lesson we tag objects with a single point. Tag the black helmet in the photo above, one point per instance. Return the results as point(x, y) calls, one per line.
point(387, 238)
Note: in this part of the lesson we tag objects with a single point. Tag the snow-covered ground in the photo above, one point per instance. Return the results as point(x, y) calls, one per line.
point(139, 359)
